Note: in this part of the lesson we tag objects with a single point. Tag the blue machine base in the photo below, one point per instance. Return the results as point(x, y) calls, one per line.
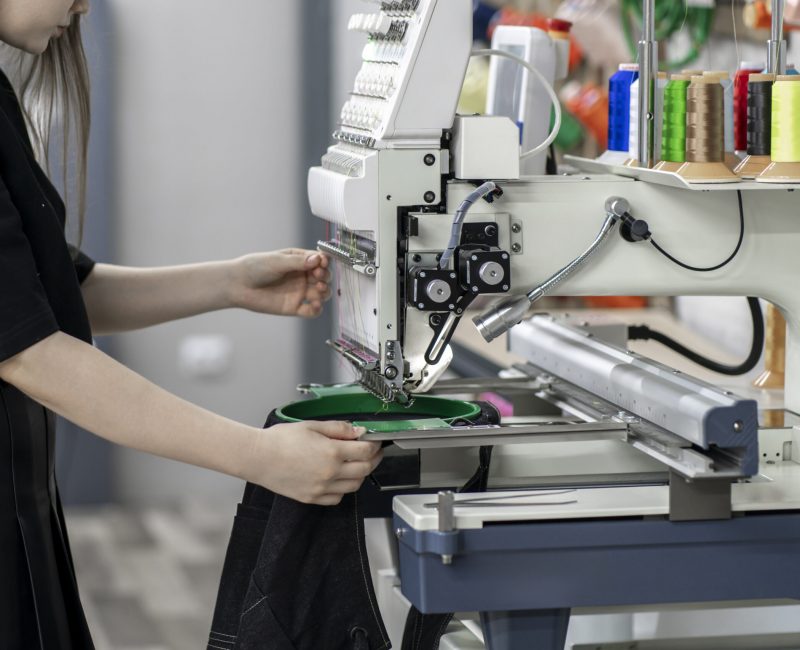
point(525, 577)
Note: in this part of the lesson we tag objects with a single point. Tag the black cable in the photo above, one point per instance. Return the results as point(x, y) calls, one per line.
point(644, 333)
point(718, 266)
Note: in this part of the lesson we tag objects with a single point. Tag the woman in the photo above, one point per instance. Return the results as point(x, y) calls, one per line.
point(52, 298)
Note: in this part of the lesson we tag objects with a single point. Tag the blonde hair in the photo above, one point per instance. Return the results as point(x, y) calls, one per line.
point(54, 89)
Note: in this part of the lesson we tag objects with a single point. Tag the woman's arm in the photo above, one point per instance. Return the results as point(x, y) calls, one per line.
point(314, 462)
point(290, 282)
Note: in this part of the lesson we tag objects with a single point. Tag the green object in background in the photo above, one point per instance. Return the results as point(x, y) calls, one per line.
point(671, 17)
point(571, 133)
point(333, 402)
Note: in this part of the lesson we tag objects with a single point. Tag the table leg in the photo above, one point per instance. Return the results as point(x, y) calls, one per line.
point(526, 630)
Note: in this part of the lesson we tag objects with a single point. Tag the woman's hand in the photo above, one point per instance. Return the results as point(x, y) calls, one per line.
point(313, 462)
point(288, 282)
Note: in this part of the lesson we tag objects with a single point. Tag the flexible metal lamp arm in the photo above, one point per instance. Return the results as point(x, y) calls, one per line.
point(509, 312)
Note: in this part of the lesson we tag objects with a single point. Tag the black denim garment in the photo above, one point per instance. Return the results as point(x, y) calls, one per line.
point(297, 577)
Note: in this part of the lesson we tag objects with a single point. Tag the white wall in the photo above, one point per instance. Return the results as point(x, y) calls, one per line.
point(207, 106)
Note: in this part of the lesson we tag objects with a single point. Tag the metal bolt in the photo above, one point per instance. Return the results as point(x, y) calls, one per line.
point(429, 160)
point(504, 256)
point(490, 231)
point(399, 532)
point(738, 426)
point(390, 356)
point(452, 276)
point(390, 345)
point(516, 228)
point(421, 306)
point(390, 372)
point(474, 258)
point(423, 274)
point(429, 197)
point(505, 287)
point(516, 248)
point(416, 258)
point(475, 289)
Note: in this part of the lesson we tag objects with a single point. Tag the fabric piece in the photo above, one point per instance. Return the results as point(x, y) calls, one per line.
point(307, 584)
point(39, 295)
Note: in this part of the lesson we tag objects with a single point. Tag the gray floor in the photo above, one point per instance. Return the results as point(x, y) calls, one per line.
point(148, 577)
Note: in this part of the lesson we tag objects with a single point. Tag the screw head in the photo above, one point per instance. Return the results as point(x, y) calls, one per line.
point(738, 426)
point(416, 258)
point(516, 228)
point(390, 372)
point(423, 275)
point(490, 231)
point(429, 160)
point(516, 248)
point(429, 197)
point(505, 287)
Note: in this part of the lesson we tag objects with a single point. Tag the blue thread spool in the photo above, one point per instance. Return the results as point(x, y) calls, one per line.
point(619, 106)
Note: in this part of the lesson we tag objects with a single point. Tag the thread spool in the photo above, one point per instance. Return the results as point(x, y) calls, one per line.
point(774, 374)
point(785, 137)
point(633, 139)
point(759, 126)
point(705, 152)
point(673, 136)
point(724, 79)
point(740, 95)
point(619, 105)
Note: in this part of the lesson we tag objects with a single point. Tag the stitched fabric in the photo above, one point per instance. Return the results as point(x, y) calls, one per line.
point(297, 577)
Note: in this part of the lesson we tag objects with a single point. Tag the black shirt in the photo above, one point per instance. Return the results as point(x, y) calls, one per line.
point(40, 274)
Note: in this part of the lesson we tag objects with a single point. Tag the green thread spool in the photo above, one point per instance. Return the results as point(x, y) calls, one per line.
point(673, 138)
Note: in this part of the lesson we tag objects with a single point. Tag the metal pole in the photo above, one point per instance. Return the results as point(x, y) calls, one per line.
point(648, 78)
point(776, 46)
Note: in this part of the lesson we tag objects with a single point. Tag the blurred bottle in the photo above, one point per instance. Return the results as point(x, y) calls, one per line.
point(758, 15)
point(597, 28)
point(514, 17)
point(791, 14)
point(589, 104)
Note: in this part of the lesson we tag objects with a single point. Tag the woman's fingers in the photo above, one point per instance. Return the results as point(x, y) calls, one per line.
point(336, 429)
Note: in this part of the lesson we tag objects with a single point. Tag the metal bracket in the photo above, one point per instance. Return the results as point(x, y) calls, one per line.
point(698, 500)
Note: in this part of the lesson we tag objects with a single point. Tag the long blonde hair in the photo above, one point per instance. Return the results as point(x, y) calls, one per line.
point(54, 89)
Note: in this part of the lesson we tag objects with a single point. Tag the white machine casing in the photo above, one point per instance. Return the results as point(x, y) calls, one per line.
point(515, 93)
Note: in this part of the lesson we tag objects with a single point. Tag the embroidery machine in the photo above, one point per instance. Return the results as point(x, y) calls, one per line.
point(428, 215)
